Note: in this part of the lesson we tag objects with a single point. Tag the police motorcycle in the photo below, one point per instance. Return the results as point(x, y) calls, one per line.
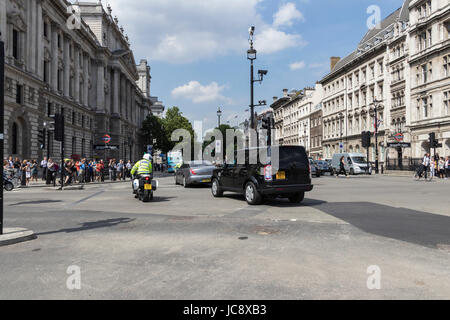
point(143, 187)
point(143, 183)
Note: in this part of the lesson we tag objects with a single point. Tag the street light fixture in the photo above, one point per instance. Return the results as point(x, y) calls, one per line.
point(219, 114)
point(251, 55)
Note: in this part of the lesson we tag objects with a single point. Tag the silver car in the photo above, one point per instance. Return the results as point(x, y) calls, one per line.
point(194, 172)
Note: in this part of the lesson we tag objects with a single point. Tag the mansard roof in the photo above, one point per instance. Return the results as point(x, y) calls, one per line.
point(374, 37)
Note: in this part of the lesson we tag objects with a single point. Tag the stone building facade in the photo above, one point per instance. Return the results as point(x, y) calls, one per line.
point(82, 68)
point(316, 131)
point(406, 65)
point(360, 78)
point(429, 60)
point(292, 116)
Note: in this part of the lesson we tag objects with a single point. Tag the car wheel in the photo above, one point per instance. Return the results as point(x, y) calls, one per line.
point(252, 196)
point(352, 172)
point(216, 190)
point(297, 198)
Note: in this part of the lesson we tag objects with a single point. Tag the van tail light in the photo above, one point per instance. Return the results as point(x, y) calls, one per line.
point(193, 172)
point(268, 173)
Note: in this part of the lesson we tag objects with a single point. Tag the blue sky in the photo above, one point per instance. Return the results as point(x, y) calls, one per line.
point(197, 48)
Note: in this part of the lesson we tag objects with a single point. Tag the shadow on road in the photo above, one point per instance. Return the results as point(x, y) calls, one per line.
point(91, 225)
point(161, 199)
point(284, 203)
point(34, 202)
point(422, 228)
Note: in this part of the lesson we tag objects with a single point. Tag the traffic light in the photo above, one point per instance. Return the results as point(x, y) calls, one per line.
point(41, 138)
point(365, 139)
point(266, 123)
point(59, 127)
point(433, 141)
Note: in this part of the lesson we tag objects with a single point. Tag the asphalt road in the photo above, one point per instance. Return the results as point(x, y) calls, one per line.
point(188, 245)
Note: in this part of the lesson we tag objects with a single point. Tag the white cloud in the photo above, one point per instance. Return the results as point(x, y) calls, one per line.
point(180, 31)
point(199, 93)
point(286, 15)
point(297, 65)
point(271, 40)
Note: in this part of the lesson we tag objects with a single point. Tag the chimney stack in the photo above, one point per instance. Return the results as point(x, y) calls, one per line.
point(285, 92)
point(275, 99)
point(333, 61)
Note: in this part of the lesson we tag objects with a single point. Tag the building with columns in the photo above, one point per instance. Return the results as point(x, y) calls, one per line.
point(83, 68)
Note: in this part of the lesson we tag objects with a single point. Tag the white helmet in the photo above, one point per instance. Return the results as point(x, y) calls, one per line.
point(146, 156)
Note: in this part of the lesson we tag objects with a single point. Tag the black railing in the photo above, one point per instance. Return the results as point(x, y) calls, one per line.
point(405, 164)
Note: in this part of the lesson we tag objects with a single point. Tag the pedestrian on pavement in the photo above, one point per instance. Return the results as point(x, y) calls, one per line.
point(23, 173)
point(99, 168)
point(441, 168)
point(426, 163)
point(34, 171)
point(120, 168)
point(433, 166)
point(129, 166)
point(44, 168)
point(341, 167)
point(447, 168)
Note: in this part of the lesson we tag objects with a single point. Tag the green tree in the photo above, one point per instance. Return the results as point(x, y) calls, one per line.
point(174, 120)
point(152, 128)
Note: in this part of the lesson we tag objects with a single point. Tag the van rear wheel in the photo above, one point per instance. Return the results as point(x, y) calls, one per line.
point(297, 198)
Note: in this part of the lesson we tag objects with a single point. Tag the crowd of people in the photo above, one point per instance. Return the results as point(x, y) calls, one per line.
point(438, 166)
point(74, 171)
point(27, 172)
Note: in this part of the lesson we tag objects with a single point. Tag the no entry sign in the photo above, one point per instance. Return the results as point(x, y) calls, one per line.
point(106, 138)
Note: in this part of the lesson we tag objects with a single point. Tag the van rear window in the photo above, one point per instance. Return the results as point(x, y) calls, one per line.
point(290, 155)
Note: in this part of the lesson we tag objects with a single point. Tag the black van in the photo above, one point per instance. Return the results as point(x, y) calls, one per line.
point(255, 181)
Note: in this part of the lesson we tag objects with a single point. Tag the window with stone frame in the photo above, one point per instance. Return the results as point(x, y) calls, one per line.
point(46, 72)
point(16, 44)
point(45, 29)
point(446, 102)
point(446, 66)
point(424, 108)
point(19, 94)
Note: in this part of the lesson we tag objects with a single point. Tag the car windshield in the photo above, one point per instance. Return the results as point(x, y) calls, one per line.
point(205, 163)
point(361, 160)
point(323, 163)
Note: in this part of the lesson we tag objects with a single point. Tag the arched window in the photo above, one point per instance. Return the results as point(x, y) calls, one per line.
point(14, 138)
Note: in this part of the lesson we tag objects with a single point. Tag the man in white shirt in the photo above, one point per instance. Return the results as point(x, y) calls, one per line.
point(426, 163)
point(44, 168)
